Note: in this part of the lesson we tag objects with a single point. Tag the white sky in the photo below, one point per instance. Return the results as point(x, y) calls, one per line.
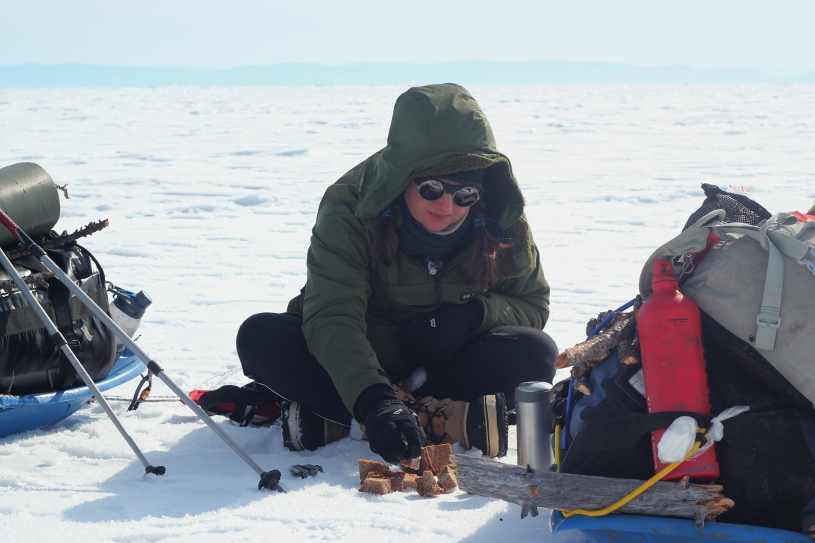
point(773, 35)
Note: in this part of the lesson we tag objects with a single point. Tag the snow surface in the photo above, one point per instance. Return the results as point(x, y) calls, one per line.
point(211, 194)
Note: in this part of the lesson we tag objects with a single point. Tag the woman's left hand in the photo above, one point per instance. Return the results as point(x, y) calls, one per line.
point(433, 338)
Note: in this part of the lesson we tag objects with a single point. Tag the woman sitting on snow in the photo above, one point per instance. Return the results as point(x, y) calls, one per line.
point(423, 283)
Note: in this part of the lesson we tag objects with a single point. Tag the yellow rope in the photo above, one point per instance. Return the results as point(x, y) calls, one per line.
point(642, 488)
point(557, 447)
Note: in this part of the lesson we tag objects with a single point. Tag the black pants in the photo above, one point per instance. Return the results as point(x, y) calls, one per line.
point(273, 352)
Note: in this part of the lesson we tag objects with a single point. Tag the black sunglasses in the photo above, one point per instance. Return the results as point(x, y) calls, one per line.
point(433, 189)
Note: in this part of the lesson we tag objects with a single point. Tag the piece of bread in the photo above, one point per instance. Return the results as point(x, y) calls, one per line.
point(376, 485)
point(367, 466)
point(436, 457)
point(397, 478)
point(411, 480)
point(427, 486)
point(413, 465)
point(447, 479)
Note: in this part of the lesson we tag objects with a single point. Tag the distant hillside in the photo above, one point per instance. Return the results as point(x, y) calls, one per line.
point(805, 78)
point(465, 72)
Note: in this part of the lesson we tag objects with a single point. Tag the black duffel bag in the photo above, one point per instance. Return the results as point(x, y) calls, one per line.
point(30, 361)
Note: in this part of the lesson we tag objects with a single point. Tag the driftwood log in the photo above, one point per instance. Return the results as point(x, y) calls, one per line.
point(620, 332)
point(564, 492)
point(599, 346)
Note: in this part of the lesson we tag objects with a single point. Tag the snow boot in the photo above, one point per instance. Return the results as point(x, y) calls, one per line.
point(304, 430)
point(481, 423)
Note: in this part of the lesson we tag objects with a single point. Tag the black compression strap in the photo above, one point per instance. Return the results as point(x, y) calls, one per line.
point(60, 296)
point(24, 319)
point(627, 430)
point(58, 340)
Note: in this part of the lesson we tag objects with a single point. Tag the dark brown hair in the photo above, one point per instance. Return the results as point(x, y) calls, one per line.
point(480, 268)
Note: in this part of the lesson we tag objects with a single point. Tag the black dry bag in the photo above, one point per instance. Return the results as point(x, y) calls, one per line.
point(30, 361)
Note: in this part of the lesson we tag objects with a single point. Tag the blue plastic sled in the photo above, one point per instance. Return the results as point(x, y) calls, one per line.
point(640, 529)
point(22, 413)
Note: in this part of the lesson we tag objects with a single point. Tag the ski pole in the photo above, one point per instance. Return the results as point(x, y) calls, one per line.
point(59, 339)
point(268, 479)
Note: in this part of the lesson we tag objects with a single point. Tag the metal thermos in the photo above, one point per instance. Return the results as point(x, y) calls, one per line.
point(534, 444)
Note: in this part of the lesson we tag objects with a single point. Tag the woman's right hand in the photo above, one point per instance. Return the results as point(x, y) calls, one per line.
point(394, 431)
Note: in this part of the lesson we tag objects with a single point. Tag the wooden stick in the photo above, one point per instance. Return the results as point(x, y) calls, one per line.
point(562, 491)
point(597, 347)
point(594, 323)
point(580, 374)
point(62, 239)
point(40, 278)
point(629, 351)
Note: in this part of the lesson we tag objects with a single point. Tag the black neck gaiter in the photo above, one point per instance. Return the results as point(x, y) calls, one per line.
point(416, 240)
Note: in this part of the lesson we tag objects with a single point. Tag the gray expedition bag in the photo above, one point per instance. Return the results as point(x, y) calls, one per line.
point(755, 289)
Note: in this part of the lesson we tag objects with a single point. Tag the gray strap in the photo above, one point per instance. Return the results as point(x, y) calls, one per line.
point(769, 319)
point(785, 231)
point(810, 264)
point(788, 245)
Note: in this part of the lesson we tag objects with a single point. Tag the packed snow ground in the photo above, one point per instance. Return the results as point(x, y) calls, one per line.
point(211, 194)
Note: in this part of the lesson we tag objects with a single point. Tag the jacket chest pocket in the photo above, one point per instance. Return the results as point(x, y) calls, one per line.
point(392, 290)
point(417, 294)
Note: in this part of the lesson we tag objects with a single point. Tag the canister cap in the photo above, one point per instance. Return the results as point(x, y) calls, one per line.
point(132, 304)
point(532, 392)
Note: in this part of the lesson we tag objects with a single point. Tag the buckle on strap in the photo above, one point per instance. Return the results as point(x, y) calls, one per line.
point(810, 264)
point(771, 319)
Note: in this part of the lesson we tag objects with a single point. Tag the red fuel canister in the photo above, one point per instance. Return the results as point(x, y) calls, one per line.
point(673, 363)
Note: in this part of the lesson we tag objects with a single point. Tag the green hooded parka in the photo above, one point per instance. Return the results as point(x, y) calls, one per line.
point(352, 307)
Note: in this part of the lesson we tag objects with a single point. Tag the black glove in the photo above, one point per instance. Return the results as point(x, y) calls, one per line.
point(394, 431)
point(434, 337)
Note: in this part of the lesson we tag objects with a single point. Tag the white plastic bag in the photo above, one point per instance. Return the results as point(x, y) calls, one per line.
point(678, 439)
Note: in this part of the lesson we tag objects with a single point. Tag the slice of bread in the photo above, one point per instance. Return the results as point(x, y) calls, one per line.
point(447, 479)
point(436, 457)
point(367, 466)
point(413, 465)
point(411, 480)
point(427, 486)
point(397, 478)
point(376, 485)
